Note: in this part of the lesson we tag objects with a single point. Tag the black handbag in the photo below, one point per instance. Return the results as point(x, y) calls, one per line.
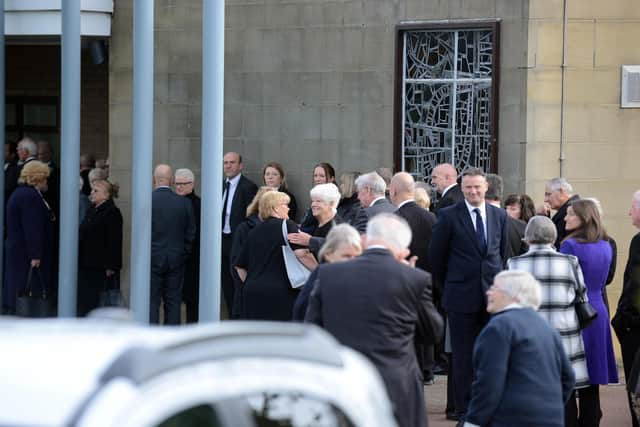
point(111, 296)
point(32, 303)
point(585, 311)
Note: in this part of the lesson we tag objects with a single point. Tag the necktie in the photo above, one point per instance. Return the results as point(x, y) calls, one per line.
point(226, 201)
point(480, 230)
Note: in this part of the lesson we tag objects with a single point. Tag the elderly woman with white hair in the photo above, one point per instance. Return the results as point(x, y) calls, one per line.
point(522, 375)
point(560, 279)
point(324, 203)
point(342, 244)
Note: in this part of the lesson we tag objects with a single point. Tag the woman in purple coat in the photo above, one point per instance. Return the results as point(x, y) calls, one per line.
point(588, 241)
point(29, 241)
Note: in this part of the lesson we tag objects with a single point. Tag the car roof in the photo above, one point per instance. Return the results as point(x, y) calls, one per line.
point(64, 361)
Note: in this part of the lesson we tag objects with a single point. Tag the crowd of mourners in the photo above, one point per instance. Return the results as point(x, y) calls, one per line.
point(442, 277)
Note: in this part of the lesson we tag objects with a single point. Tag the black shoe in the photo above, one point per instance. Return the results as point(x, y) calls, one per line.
point(429, 381)
point(440, 370)
point(453, 416)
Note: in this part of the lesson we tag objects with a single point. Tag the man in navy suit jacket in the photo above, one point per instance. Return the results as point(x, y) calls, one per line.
point(173, 230)
point(468, 248)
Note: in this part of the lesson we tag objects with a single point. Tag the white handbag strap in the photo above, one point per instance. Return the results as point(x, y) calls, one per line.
point(285, 232)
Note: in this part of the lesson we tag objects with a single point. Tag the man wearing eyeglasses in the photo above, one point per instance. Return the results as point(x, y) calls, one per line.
point(184, 182)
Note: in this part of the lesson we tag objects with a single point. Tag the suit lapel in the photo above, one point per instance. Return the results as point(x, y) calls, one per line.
point(467, 224)
point(237, 192)
point(490, 222)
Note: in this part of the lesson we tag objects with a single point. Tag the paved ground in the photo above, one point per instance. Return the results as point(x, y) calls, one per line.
point(613, 402)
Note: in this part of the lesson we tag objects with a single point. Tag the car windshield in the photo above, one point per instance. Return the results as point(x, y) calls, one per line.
point(291, 409)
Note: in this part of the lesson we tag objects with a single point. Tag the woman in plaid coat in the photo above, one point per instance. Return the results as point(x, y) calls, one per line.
point(560, 278)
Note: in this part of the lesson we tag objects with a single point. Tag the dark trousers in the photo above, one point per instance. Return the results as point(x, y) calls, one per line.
point(191, 288)
point(451, 392)
point(166, 284)
point(629, 344)
point(464, 329)
point(225, 272)
point(90, 283)
point(424, 354)
point(589, 406)
point(441, 358)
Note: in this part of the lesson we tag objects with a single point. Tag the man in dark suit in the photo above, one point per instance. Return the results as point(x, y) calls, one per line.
point(185, 183)
point(444, 178)
point(238, 193)
point(371, 193)
point(558, 194)
point(173, 230)
point(493, 196)
point(468, 248)
point(10, 169)
point(374, 304)
point(626, 321)
point(402, 193)
point(522, 374)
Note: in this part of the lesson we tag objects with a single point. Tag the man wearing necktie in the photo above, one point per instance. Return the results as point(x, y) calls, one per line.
point(237, 194)
point(468, 248)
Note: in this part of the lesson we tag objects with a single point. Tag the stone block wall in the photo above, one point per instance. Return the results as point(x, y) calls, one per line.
point(600, 143)
point(305, 81)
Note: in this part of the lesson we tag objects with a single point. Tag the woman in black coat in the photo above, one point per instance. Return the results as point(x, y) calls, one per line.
point(266, 290)
point(29, 244)
point(323, 173)
point(240, 236)
point(100, 248)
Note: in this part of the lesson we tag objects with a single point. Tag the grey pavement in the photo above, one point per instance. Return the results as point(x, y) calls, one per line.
point(613, 401)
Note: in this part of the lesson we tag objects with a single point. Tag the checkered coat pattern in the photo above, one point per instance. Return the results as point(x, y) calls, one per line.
point(559, 276)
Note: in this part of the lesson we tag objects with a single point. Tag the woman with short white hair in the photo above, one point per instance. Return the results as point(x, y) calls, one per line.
point(324, 203)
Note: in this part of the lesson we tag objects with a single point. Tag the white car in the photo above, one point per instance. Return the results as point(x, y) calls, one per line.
point(57, 372)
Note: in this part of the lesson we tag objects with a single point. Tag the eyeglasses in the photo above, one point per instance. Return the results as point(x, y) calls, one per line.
point(183, 183)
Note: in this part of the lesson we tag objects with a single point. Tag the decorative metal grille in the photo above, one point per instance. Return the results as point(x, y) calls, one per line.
point(447, 100)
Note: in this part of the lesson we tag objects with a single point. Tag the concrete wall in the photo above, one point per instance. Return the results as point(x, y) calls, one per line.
point(600, 138)
point(305, 81)
point(313, 81)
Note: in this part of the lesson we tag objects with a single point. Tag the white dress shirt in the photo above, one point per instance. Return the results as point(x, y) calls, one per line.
point(447, 189)
point(375, 200)
point(233, 185)
point(483, 214)
point(401, 204)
